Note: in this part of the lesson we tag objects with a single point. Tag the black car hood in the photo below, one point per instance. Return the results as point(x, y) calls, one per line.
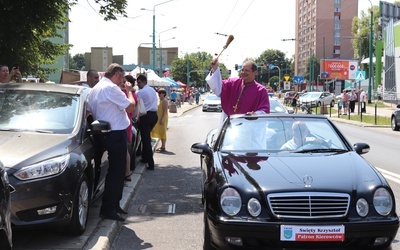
point(19, 149)
point(338, 172)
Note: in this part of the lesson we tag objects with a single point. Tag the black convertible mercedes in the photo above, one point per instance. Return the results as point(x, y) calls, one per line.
point(291, 181)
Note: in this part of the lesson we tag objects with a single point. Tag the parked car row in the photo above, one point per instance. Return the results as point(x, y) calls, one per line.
point(212, 102)
point(55, 167)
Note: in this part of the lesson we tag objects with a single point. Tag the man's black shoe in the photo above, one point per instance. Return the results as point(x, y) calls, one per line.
point(111, 216)
point(121, 211)
point(150, 168)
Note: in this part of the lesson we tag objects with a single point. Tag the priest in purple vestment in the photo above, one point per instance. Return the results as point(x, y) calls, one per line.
point(239, 95)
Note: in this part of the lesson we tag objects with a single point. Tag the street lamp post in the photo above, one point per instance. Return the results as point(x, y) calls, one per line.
point(271, 66)
point(160, 49)
point(153, 51)
point(161, 56)
point(370, 66)
point(188, 66)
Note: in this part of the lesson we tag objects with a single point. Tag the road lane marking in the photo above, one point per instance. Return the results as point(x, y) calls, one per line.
point(389, 175)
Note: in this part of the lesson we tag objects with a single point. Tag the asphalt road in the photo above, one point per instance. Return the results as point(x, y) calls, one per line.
point(166, 212)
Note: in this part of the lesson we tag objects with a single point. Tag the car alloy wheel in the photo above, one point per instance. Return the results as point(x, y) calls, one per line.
point(80, 208)
point(394, 124)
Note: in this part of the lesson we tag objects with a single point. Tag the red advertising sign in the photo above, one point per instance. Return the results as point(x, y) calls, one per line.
point(338, 69)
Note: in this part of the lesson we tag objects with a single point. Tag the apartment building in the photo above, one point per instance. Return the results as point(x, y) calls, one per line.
point(323, 30)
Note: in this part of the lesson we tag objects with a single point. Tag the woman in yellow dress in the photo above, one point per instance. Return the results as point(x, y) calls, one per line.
point(160, 129)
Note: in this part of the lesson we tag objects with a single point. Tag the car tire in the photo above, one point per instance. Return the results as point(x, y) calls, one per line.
point(318, 104)
point(394, 125)
point(207, 235)
point(80, 210)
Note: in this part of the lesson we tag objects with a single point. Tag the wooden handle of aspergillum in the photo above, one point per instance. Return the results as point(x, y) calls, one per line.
point(228, 41)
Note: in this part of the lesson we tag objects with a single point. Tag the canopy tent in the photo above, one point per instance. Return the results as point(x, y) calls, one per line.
point(136, 71)
point(154, 80)
point(172, 83)
point(366, 60)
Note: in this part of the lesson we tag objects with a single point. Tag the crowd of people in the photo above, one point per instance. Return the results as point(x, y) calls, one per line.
point(348, 100)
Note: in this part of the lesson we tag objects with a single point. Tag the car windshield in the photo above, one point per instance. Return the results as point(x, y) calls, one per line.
point(276, 107)
point(213, 97)
point(313, 95)
point(47, 112)
point(277, 134)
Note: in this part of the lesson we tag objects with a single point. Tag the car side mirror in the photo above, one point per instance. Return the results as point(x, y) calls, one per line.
point(361, 148)
point(99, 127)
point(201, 148)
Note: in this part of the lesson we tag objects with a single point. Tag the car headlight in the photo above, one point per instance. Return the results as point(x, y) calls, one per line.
point(383, 201)
point(43, 169)
point(362, 207)
point(254, 207)
point(231, 202)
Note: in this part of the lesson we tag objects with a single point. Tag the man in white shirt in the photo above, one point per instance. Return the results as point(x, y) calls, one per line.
point(106, 102)
point(301, 136)
point(92, 78)
point(363, 100)
point(148, 121)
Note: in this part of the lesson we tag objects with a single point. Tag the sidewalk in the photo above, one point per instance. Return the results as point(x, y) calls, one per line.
point(101, 233)
point(370, 111)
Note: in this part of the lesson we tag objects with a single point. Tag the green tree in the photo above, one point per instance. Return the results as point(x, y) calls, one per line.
point(277, 58)
point(198, 65)
point(361, 30)
point(77, 62)
point(28, 25)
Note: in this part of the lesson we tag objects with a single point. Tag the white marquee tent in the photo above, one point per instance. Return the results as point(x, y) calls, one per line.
point(154, 80)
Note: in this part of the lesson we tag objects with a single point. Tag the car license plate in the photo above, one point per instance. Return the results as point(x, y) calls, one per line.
point(312, 233)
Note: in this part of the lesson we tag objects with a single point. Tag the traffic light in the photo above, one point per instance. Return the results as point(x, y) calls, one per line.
point(236, 66)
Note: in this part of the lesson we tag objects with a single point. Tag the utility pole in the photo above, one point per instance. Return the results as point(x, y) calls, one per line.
point(370, 66)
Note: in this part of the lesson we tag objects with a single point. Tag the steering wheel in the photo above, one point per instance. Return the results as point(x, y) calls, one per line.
point(314, 144)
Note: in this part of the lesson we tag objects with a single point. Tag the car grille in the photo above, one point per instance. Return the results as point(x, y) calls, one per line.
point(309, 205)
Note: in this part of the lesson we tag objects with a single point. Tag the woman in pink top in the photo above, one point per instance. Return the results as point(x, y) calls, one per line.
point(130, 115)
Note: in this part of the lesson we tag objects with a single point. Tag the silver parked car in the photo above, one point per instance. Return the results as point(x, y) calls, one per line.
point(317, 99)
point(212, 102)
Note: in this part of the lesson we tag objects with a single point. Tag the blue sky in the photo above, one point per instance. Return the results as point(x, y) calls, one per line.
point(257, 25)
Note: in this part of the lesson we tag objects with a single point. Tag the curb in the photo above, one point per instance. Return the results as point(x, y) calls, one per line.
point(106, 230)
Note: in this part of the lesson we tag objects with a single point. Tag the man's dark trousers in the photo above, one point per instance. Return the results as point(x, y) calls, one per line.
point(116, 144)
point(146, 124)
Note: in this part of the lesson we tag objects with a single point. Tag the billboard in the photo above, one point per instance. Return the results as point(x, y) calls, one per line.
point(338, 69)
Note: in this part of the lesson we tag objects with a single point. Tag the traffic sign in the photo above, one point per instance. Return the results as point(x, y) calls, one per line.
point(360, 75)
point(298, 79)
point(287, 78)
